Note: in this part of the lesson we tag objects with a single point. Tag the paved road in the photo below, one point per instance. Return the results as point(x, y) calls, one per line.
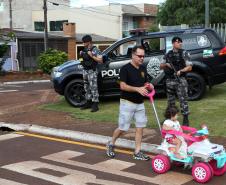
point(16, 97)
point(37, 160)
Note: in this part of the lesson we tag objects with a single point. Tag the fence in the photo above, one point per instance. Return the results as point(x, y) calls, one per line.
point(220, 28)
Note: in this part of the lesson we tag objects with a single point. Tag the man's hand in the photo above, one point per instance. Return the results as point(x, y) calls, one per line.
point(142, 90)
point(90, 54)
point(165, 65)
point(179, 73)
point(168, 65)
point(149, 86)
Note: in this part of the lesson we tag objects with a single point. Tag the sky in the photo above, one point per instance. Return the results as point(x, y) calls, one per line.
point(79, 3)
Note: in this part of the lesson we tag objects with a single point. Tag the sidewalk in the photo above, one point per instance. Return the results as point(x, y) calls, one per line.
point(18, 107)
point(59, 124)
point(77, 136)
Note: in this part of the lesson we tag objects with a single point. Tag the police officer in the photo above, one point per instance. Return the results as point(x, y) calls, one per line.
point(91, 57)
point(175, 65)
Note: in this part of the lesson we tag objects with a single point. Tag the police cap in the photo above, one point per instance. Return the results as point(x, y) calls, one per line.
point(176, 39)
point(86, 38)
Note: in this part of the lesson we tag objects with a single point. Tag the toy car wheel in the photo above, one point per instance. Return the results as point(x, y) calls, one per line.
point(211, 169)
point(160, 164)
point(217, 171)
point(74, 93)
point(201, 172)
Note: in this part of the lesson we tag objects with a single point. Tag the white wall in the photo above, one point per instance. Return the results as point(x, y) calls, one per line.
point(103, 20)
point(22, 12)
point(88, 20)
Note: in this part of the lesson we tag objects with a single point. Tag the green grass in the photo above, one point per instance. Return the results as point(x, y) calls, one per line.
point(210, 110)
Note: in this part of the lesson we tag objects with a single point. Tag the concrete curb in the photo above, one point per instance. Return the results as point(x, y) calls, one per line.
point(25, 82)
point(78, 136)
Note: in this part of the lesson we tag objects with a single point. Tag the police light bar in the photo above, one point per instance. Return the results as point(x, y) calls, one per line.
point(138, 32)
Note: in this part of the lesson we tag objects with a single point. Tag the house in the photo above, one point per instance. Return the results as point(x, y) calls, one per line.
point(113, 21)
point(22, 12)
point(31, 44)
point(106, 24)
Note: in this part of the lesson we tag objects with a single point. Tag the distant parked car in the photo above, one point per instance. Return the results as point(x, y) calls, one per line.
point(207, 50)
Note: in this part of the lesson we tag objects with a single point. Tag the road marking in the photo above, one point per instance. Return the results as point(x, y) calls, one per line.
point(32, 168)
point(8, 182)
point(77, 143)
point(4, 91)
point(14, 86)
point(115, 164)
point(66, 156)
point(9, 136)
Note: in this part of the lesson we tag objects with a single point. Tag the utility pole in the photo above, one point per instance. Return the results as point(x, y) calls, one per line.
point(45, 25)
point(207, 7)
point(10, 15)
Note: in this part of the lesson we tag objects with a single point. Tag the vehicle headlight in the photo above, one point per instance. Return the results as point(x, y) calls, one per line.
point(57, 74)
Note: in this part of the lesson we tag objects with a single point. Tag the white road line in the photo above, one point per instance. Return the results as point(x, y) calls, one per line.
point(115, 164)
point(14, 86)
point(4, 91)
point(66, 156)
point(71, 176)
point(9, 136)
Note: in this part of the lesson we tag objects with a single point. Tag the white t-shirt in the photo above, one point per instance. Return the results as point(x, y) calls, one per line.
point(174, 124)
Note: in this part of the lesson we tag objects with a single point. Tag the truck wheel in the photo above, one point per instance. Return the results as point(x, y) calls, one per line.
point(196, 86)
point(201, 172)
point(74, 93)
point(160, 164)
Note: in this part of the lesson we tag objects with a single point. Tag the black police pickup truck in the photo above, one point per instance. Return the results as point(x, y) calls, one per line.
point(207, 52)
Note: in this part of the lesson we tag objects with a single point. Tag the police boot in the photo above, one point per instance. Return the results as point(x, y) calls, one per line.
point(87, 105)
point(95, 107)
point(185, 120)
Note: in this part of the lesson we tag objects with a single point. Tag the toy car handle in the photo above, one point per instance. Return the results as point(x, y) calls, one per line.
point(190, 129)
point(151, 95)
point(178, 133)
point(193, 131)
point(185, 136)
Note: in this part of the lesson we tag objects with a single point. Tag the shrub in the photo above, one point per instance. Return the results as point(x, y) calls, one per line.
point(51, 58)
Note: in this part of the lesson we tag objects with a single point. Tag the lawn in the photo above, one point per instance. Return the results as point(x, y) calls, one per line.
point(210, 110)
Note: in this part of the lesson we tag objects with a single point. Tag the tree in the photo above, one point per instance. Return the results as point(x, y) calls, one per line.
point(191, 12)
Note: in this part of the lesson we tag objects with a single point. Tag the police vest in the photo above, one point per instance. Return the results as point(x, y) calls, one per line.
point(88, 62)
point(176, 59)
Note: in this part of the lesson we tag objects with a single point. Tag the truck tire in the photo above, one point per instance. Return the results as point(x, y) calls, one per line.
point(196, 86)
point(74, 93)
